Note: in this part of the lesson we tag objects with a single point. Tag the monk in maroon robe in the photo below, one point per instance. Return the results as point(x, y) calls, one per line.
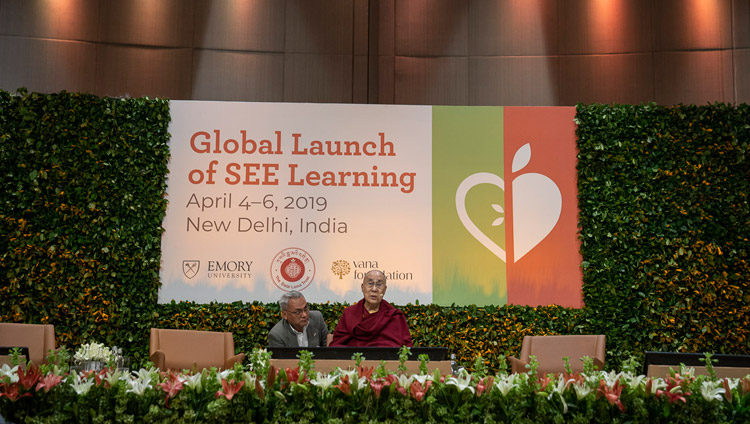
point(372, 321)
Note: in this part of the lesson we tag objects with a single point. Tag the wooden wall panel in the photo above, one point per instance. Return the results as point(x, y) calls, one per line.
point(361, 28)
point(431, 80)
point(513, 28)
point(386, 27)
point(247, 25)
point(431, 27)
point(360, 87)
point(60, 19)
point(619, 78)
point(691, 77)
point(514, 81)
point(387, 80)
point(46, 66)
point(323, 78)
point(612, 26)
point(741, 23)
point(512, 52)
point(136, 71)
point(164, 23)
point(742, 75)
point(692, 24)
point(319, 26)
point(226, 75)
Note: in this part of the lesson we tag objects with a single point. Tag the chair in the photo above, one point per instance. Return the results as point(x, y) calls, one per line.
point(549, 351)
point(38, 338)
point(191, 349)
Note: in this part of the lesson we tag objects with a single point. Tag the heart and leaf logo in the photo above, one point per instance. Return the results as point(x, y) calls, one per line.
point(537, 205)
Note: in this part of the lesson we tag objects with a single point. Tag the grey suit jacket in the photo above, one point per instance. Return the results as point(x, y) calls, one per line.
point(281, 335)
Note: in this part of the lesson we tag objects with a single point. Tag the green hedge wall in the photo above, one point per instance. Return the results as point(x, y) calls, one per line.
point(83, 181)
point(664, 224)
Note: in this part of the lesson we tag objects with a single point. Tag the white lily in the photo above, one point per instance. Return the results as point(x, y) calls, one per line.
point(712, 390)
point(403, 380)
point(362, 383)
point(422, 379)
point(462, 382)
point(635, 381)
point(611, 378)
point(142, 375)
point(559, 389)
point(82, 386)
point(11, 373)
point(138, 386)
point(223, 374)
point(112, 377)
point(195, 382)
point(582, 389)
point(733, 383)
point(324, 381)
point(658, 384)
point(505, 384)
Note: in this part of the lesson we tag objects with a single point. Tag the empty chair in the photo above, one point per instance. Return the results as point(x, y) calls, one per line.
point(38, 338)
point(550, 351)
point(191, 349)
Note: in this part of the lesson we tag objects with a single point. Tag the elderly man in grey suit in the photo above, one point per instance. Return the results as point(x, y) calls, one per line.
point(299, 326)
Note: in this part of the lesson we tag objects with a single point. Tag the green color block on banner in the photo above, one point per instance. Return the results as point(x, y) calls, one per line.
point(467, 141)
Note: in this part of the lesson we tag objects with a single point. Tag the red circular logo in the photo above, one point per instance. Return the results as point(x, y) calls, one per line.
point(292, 269)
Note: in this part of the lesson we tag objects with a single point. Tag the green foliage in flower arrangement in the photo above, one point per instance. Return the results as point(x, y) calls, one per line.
point(83, 181)
point(664, 219)
point(260, 393)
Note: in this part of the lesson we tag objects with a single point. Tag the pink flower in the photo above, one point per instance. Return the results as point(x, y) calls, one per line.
point(418, 391)
point(365, 372)
point(484, 385)
point(29, 377)
point(229, 388)
point(727, 389)
point(172, 386)
point(377, 386)
point(673, 391)
point(48, 382)
point(612, 395)
point(345, 386)
point(259, 390)
point(11, 391)
point(543, 382)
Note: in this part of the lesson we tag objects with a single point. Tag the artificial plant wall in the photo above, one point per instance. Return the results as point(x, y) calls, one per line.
point(664, 226)
point(83, 181)
point(664, 233)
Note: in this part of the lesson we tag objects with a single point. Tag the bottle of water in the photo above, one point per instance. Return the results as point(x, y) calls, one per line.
point(454, 365)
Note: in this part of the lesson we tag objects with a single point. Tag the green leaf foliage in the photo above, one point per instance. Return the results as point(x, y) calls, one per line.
point(664, 219)
point(83, 181)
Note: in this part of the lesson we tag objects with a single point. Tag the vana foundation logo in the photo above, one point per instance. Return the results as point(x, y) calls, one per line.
point(537, 205)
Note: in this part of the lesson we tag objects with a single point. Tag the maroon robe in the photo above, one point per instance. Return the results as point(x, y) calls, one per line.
point(385, 328)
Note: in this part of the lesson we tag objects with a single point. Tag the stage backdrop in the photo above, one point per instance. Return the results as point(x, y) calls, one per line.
point(464, 205)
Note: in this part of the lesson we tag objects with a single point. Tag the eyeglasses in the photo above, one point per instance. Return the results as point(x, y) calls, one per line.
point(371, 284)
point(299, 312)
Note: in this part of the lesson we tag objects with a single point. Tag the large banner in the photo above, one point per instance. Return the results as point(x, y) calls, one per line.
point(464, 205)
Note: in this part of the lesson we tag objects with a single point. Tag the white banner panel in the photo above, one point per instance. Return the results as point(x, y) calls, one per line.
point(270, 197)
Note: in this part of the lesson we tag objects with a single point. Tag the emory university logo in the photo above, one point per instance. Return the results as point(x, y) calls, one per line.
point(292, 269)
point(190, 268)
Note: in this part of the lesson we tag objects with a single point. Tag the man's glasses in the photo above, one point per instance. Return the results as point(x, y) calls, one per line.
point(378, 285)
point(299, 312)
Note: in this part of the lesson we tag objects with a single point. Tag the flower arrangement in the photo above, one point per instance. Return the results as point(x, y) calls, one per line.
point(267, 394)
point(94, 352)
